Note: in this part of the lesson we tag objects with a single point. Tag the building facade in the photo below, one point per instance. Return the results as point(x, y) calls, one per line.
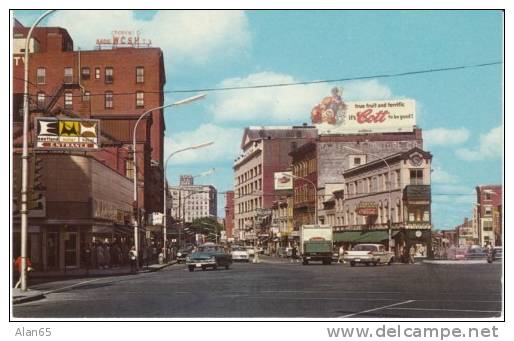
point(489, 214)
point(382, 200)
point(229, 215)
point(190, 202)
point(465, 233)
point(91, 198)
point(265, 150)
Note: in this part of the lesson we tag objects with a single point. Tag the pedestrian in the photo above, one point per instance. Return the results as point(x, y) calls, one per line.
point(133, 259)
point(154, 252)
point(100, 256)
point(412, 252)
point(87, 257)
point(17, 265)
point(107, 255)
point(145, 255)
point(341, 254)
point(94, 261)
point(294, 254)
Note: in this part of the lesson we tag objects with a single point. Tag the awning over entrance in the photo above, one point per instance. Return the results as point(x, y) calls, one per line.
point(363, 236)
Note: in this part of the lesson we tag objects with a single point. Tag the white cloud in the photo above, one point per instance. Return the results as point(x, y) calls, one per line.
point(444, 136)
point(192, 36)
point(225, 147)
point(490, 146)
point(282, 104)
point(439, 175)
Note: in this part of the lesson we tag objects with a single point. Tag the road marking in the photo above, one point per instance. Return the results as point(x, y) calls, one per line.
point(339, 291)
point(308, 298)
point(375, 309)
point(455, 310)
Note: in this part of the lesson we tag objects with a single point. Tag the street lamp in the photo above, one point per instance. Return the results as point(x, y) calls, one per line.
point(135, 206)
point(25, 156)
point(388, 188)
point(315, 193)
point(165, 185)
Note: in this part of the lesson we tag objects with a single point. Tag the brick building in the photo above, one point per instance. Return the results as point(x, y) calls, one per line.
point(114, 86)
point(489, 214)
point(265, 151)
point(229, 214)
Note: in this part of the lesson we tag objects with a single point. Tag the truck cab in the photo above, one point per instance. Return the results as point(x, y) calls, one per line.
point(316, 244)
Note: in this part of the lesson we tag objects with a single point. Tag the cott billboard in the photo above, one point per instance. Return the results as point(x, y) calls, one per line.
point(333, 116)
point(283, 181)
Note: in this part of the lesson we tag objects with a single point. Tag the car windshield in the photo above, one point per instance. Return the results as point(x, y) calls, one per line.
point(364, 247)
point(238, 249)
point(209, 249)
point(201, 255)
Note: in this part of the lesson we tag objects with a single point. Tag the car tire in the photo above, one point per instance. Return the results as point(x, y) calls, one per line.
point(191, 268)
point(215, 267)
point(204, 268)
point(305, 262)
point(227, 266)
point(367, 263)
point(352, 263)
point(375, 263)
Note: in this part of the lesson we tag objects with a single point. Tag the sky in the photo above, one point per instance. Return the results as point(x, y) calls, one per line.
point(460, 112)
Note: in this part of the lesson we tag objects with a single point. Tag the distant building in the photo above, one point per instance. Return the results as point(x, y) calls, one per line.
point(229, 214)
point(489, 214)
point(265, 150)
point(190, 201)
point(465, 233)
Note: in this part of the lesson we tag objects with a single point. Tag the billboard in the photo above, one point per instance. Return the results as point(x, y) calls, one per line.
point(333, 116)
point(67, 133)
point(367, 208)
point(283, 181)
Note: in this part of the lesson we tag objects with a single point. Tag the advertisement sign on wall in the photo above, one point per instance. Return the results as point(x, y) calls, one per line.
point(53, 133)
point(333, 116)
point(283, 181)
point(367, 208)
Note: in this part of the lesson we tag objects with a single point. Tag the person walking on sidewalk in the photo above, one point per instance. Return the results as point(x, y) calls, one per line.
point(341, 254)
point(17, 265)
point(133, 259)
point(412, 252)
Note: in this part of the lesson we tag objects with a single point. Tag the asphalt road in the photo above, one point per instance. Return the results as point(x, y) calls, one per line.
point(275, 288)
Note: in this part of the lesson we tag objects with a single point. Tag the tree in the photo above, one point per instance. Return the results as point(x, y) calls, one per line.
point(206, 225)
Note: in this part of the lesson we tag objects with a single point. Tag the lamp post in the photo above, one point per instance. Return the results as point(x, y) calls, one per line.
point(135, 205)
point(165, 186)
point(25, 156)
point(315, 193)
point(388, 188)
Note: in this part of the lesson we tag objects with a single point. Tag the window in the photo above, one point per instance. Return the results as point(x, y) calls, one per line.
point(398, 179)
point(487, 225)
point(97, 73)
point(129, 169)
point(41, 75)
point(86, 96)
point(140, 99)
point(488, 211)
point(68, 75)
point(487, 196)
point(85, 73)
point(109, 75)
point(40, 100)
point(140, 74)
point(68, 100)
point(357, 161)
point(109, 102)
point(416, 176)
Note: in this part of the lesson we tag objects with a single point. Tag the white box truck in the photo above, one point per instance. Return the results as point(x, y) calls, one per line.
point(316, 243)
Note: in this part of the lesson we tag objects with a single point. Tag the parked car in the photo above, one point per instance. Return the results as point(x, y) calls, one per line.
point(209, 255)
point(240, 253)
point(476, 253)
point(369, 254)
point(183, 253)
point(496, 254)
point(460, 254)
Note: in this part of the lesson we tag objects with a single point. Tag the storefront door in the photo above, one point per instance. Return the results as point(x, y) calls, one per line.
point(52, 250)
point(70, 250)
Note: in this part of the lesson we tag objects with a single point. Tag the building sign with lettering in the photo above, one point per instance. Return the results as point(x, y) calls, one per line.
point(123, 38)
point(333, 116)
point(283, 181)
point(68, 133)
point(367, 208)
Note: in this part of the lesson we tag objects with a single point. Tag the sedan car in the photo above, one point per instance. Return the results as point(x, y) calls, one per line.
point(240, 254)
point(209, 255)
point(476, 253)
point(182, 254)
point(368, 254)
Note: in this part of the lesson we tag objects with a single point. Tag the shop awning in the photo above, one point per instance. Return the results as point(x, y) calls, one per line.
point(363, 236)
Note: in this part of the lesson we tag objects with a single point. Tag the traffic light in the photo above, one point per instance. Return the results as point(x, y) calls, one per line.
point(16, 194)
point(38, 174)
point(35, 195)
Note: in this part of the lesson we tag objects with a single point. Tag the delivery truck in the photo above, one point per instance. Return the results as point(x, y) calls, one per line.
point(316, 244)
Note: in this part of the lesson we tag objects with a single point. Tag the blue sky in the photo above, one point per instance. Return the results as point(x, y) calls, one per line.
point(460, 112)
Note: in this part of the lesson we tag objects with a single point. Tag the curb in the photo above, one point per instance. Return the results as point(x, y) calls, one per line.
point(455, 262)
point(28, 298)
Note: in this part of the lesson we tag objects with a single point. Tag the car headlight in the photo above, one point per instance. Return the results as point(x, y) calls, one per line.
point(188, 259)
point(179, 254)
point(211, 260)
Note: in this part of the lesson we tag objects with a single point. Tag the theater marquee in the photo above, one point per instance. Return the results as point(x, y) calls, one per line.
point(53, 133)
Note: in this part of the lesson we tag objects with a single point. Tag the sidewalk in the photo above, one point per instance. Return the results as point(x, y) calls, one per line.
point(19, 296)
point(455, 262)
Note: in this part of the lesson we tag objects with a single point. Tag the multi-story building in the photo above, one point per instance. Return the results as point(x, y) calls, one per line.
point(282, 224)
point(265, 151)
point(489, 214)
point(465, 233)
point(229, 215)
point(190, 201)
point(114, 86)
point(389, 197)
